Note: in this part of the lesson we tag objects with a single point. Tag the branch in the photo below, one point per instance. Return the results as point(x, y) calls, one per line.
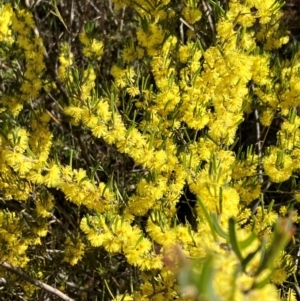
point(35, 282)
point(208, 12)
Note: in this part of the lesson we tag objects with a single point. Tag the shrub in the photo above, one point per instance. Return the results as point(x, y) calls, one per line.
point(149, 150)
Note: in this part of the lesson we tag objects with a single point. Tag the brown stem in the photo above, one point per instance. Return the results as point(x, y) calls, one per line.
point(35, 282)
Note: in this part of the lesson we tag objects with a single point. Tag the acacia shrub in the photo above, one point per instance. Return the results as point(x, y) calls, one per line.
point(114, 115)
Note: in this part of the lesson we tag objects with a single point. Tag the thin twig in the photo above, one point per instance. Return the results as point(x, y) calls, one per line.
point(72, 284)
point(259, 148)
point(259, 153)
point(122, 19)
point(208, 12)
point(297, 290)
point(192, 29)
point(35, 282)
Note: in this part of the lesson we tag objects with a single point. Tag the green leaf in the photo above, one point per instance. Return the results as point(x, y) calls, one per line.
point(248, 258)
point(139, 240)
point(204, 281)
point(247, 242)
point(208, 218)
point(233, 239)
point(218, 227)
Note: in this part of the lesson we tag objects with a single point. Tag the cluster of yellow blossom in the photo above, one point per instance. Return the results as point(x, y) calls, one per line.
point(82, 191)
point(132, 53)
point(14, 160)
point(278, 165)
point(66, 59)
point(101, 116)
point(282, 160)
point(33, 48)
point(148, 9)
point(263, 223)
point(247, 182)
point(236, 285)
point(92, 48)
point(5, 21)
point(191, 12)
point(119, 236)
point(74, 250)
point(17, 26)
point(212, 185)
point(16, 236)
point(13, 245)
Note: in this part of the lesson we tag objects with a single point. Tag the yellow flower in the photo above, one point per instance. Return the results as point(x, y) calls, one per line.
point(182, 234)
point(191, 15)
point(283, 210)
point(42, 232)
point(35, 177)
point(23, 167)
point(125, 297)
point(6, 13)
point(279, 276)
point(133, 91)
point(95, 239)
point(75, 112)
point(103, 110)
point(267, 117)
point(268, 292)
point(100, 130)
point(291, 295)
point(144, 246)
point(12, 158)
point(225, 29)
point(129, 54)
point(156, 262)
point(278, 166)
point(111, 243)
point(44, 205)
point(144, 263)
point(133, 256)
point(52, 178)
point(19, 138)
point(84, 39)
point(74, 250)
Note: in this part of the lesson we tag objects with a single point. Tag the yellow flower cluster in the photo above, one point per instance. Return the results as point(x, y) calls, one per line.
point(74, 250)
point(247, 182)
point(13, 245)
point(283, 159)
point(285, 267)
point(132, 53)
point(278, 166)
point(44, 204)
point(212, 185)
point(5, 21)
point(81, 191)
point(20, 24)
point(92, 48)
point(66, 59)
point(150, 8)
point(151, 38)
point(119, 236)
point(33, 48)
point(191, 12)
